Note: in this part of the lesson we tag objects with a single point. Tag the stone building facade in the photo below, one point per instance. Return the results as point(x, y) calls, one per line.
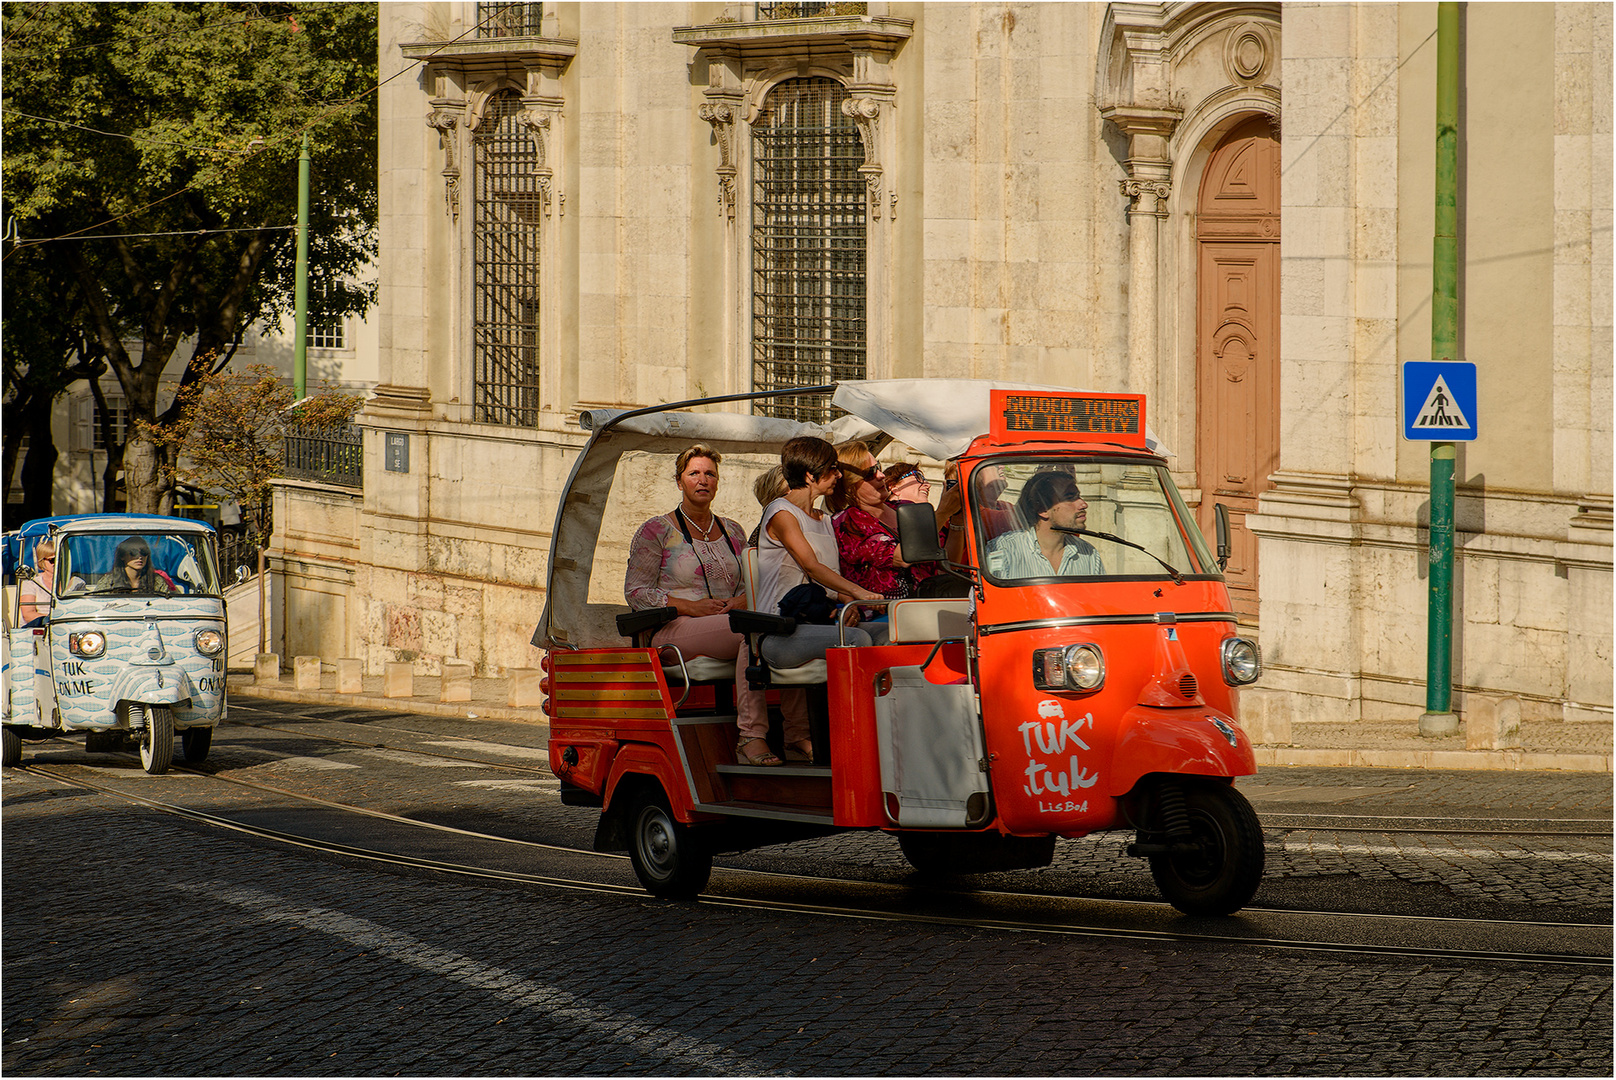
point(1227, 207)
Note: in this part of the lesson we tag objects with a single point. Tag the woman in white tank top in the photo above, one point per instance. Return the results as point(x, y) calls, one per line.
point(797, 544)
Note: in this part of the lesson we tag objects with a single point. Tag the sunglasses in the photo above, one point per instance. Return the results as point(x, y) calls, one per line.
point(863, 474)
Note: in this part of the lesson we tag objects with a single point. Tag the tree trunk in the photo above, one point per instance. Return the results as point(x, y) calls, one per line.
point(143, 476)
point(39, 466)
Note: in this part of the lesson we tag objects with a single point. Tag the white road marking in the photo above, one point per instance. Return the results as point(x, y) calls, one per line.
point(527, 752)
point(403, 758)
point(519, 787)
point(273, 758)
point(1324, 848)
point(551, 1002)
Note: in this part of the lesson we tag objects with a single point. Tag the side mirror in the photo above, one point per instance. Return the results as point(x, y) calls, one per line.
point(1225, 548)
point(917, 533)
point(241, 574)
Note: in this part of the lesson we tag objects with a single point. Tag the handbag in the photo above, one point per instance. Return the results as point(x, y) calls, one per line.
point(807, 603)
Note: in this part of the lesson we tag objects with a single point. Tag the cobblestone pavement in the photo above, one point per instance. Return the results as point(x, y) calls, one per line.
point(243, 958)
point(239, 960)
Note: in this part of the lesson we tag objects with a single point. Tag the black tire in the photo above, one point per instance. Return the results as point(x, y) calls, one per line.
point(157, 740)
point(1221, 876)
point(195, 743)
point(13, 749)
point(669, 859)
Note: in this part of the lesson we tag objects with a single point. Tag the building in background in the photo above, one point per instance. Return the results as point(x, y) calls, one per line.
point(1227, 207)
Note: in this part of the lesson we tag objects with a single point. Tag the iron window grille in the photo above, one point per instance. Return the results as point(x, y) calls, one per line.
point(509, 20)
point(808, 9)
point(808, 246)
point(505, 277)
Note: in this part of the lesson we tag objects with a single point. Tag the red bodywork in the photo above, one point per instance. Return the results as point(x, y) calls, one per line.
point(1059, 762)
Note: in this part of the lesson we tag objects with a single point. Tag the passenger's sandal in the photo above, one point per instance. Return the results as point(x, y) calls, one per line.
point(767, 757)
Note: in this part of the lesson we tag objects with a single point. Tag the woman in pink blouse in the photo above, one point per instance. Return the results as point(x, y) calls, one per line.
point(690, 560)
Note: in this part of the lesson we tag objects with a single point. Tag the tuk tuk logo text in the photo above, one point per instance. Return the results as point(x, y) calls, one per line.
point(71, 687)
point(1048, 739)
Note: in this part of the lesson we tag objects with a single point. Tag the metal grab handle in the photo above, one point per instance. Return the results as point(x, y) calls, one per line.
point(684, 673)
point(841, 616)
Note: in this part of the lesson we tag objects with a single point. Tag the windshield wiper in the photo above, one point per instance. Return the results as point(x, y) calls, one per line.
point(1178, 579)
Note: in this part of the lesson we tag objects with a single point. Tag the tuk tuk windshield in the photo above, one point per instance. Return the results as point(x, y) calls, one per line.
point(1049, 519)
point(146, 564)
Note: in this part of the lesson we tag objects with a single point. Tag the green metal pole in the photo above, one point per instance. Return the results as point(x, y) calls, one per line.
point(1439, 718)
point(300, 350)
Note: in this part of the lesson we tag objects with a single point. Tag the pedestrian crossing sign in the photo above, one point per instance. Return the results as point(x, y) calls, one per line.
point(1439, 401)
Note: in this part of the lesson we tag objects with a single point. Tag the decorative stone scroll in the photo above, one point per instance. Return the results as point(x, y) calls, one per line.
point(538, 123)
point(444, 121)
point(722, 116)
point(1147, 196)
point(865, 112)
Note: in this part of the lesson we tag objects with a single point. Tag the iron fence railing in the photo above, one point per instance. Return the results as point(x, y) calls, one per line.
point(328, 455)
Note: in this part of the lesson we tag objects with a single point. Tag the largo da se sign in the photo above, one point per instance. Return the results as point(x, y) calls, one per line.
point(1439, 401)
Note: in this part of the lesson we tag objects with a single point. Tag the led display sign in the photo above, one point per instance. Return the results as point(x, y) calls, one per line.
point(1113, 418)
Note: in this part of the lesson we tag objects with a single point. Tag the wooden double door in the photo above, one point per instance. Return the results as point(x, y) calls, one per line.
point(1237, 340)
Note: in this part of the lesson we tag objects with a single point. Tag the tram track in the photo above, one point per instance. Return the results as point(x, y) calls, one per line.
point(768, 891)
point(1272, 822)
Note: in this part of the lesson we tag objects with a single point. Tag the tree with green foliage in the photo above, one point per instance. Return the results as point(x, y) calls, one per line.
point(230, 428)
point(150, 169)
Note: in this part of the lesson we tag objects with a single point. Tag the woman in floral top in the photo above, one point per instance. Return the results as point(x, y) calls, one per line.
point(690, 560)
point(867, 529)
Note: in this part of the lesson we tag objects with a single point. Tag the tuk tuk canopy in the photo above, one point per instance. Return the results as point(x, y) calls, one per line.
point(937, 417)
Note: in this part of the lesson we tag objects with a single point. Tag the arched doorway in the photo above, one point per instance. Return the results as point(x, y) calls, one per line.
point(1237, 339)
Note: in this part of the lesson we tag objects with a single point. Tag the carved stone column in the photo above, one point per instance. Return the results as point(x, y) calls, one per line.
point(722, 115)
point(1148, 185)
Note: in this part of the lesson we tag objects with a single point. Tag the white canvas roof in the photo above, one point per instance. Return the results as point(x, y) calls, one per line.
point(938, 417)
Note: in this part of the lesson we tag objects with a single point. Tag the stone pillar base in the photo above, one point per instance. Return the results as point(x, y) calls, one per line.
point(267, 667)
point(456, 681)
point(350, 676)
point(306, 672)
point(398, 680)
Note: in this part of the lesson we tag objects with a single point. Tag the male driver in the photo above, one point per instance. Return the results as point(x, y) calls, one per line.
point(1049, 503)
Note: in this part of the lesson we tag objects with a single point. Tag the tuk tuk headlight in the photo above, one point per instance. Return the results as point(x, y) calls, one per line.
point(1242, 661)
point(209, 642)
point(91, 643)
point(1070, 667)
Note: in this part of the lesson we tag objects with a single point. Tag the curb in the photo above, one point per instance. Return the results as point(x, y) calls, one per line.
point(458, 710)
point(1476, 760)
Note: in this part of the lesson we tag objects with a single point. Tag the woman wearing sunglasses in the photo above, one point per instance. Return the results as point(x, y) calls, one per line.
point(132, 570)
point(37, 591)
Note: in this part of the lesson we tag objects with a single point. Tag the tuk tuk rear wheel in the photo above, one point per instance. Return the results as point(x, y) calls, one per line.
point(670, 861)
point(13, 749)
point(195, 742)
point(1222, 874)
point(157, 740)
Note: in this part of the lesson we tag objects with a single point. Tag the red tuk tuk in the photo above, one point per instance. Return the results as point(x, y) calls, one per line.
point(1036, 702)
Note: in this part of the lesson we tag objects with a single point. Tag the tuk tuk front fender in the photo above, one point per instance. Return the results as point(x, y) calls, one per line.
point(1198, 742)
point(164, 685)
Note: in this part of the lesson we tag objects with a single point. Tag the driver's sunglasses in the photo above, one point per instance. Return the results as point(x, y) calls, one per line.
point(43, 559)
point(139, 553)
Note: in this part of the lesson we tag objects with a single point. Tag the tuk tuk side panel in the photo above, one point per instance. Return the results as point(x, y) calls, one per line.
point(87, 690)
point(855, 752)
point(27, 677)
point(600, 703)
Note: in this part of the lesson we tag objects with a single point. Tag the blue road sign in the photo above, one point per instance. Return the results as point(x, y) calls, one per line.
point(1439, 401)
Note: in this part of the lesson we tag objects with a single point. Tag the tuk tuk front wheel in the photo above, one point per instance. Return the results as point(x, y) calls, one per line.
point(196, 742)
point(13, 749)
point(157, 739)
point(670, 861)
point(1222, 866)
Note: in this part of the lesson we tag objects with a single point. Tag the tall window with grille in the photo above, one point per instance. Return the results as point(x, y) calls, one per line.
point(808, 245)
point(505, 276)
point(509, 20)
